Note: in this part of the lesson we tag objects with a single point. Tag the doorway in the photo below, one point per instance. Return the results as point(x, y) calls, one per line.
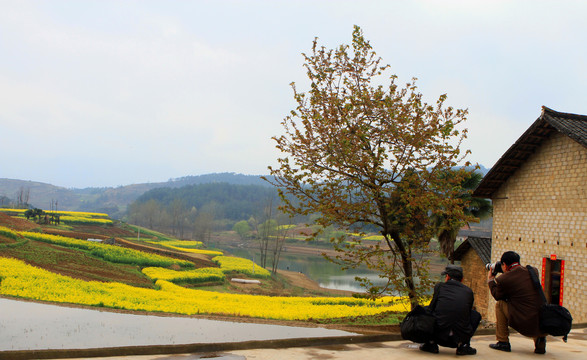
point(552, 279)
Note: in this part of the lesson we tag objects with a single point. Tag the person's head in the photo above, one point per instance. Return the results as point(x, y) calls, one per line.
point(453, 272)
point(509, 258)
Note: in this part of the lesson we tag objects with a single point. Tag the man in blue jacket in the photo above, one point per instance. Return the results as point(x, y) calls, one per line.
point(456, 320)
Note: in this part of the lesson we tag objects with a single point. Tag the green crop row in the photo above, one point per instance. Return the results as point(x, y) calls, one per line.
point(8, 233)
point(110, 253)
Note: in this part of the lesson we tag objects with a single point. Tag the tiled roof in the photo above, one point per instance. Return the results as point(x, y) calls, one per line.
point(475, 233)
point(572, 125)
point(481, 245)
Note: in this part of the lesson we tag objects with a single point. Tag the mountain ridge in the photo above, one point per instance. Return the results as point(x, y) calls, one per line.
point(111, 200)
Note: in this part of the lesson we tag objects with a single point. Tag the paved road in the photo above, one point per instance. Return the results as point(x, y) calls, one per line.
point(522, 348)
point(316, 344)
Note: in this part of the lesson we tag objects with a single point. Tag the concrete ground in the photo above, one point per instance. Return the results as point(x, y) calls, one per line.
point(522, 348)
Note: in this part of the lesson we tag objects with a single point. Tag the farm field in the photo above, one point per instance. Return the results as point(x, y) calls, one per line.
point(36, 263)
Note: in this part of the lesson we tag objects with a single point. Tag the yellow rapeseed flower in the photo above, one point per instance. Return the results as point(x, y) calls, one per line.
point(21, 280)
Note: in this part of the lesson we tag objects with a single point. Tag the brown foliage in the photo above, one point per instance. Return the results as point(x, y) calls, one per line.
point(358, 153)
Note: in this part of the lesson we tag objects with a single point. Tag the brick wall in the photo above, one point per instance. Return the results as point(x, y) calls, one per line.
point(474, 277)
point(542, 210)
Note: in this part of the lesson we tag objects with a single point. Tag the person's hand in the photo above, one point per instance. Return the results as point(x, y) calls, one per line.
point(490, 276)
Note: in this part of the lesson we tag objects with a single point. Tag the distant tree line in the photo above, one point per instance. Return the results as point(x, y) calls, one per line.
point(21, 199)
point(5, 201)
point(195, 211)
point(230, 178)
point(233, 202)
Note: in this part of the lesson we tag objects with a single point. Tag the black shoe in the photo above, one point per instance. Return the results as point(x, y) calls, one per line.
point(540, 345)
point(466, 350)
point(500, 345)
point(428, 347)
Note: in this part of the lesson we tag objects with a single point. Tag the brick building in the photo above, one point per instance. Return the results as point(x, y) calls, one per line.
point(539, 193)
point(474, 253)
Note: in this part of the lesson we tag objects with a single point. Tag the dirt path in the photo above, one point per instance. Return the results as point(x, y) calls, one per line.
point(308, 250)
point(16, 223)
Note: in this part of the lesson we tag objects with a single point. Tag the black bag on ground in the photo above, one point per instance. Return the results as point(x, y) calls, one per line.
point(555, 320)
point(418, 325)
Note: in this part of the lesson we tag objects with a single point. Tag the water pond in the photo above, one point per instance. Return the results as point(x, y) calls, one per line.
point(324, 272)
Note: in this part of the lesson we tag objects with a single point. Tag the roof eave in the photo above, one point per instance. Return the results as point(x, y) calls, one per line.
point(548, 122)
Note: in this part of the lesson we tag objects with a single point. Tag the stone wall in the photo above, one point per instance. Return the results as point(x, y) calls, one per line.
point(542, 210)
point(474, 277)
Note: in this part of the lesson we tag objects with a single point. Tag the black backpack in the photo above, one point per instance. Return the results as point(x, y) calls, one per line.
point(555, 320)
point(418, 325)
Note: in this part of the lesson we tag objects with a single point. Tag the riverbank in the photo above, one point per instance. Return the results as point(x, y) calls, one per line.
point(300, 280)
point(299, 256)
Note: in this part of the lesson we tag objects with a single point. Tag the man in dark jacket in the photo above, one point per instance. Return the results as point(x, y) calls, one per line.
point(456, 321)
point(518, 303)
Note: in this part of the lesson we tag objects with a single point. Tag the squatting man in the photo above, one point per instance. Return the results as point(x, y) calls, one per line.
point(456, 320)
point(518, 302)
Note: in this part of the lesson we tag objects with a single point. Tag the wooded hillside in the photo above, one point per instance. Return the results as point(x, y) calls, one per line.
point(110, 200)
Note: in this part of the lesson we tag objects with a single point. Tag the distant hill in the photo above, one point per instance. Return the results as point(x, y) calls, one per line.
point(112, 201)
point(39, 194)
point(231, 201)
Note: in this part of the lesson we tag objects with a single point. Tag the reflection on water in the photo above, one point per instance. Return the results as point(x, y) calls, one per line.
point(33, 326)
point(348, 282)
point(324, 272)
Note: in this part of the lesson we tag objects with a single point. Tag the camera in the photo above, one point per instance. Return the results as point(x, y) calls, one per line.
point(494, 268)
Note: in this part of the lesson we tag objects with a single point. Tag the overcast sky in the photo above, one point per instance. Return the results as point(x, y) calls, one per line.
point(109, 93)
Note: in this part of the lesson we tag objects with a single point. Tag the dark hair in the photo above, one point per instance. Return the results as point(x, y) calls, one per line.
point(510, 257)
point(458, 277)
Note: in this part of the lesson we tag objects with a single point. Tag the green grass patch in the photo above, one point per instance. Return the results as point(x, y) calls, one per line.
point(382, 319)
point(110, 253)
point(148, 234)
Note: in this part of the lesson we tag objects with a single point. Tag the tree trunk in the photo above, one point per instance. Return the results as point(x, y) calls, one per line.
point(280, 237)
point(406, 258)
point(407, 267)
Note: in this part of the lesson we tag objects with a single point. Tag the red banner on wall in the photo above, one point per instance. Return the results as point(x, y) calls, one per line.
point(543, 272)
point(560, 302)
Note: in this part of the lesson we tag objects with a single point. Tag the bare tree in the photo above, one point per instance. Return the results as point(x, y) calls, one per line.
point(280, 237)
point(148, 214)
point(204, 222)
point(267, 229)
point(176, 212)
point(22, 197)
